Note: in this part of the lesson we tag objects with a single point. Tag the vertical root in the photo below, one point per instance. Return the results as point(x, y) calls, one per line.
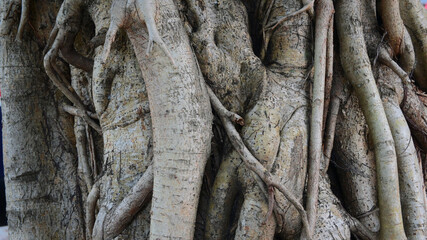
point(255, 165)
point(224, 192)
point(414, 19)
point(332, 121)
point(329, 70)
point(416, 115)
point(25, 12)
point(81, 145)
point(407, 57)
point(411, 183)
point(358, 71)
point(92, 198)
point(324, 11)
point(393, 24)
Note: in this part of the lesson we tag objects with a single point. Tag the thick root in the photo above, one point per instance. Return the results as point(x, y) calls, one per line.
point(357, 68)
point(414, 19)
point(121, 12)
point(224, 192)
point(393, 24)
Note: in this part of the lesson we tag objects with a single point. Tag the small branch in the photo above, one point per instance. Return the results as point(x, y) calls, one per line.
point(307, 7)
point(385, 58)
point(254, 165)
point(91, 148)
point(78, 112)
point(25, 12)
point(222, 110)
point(83, 114)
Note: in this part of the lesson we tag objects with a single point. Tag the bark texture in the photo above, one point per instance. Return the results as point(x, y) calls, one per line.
point(43, 194)
point(109, 132)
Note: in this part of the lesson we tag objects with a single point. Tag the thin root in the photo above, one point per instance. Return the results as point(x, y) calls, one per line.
point(25, 12)
point(92, 198)
point(254, 165)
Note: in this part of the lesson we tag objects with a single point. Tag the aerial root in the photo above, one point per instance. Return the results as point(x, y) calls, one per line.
point(329, 70)
point(25, 12)
point(223, 111)
point(109, 224)
point(393, 24)
point(56, 42)
point(81, 146)
point(120, 14)
point(124, 213)
point(254, 165)
point(414, 19)
point(357, 228)
point(407, 57)
point(91, 147)
point(385, 58)
point(64, 86)
point(331, 123)
point(92, 198)
point(354, 55)
point(324, 12)
point(78, 112)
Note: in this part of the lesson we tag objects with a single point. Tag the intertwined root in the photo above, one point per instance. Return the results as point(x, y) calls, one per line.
point(61, 40)
point(122, 14)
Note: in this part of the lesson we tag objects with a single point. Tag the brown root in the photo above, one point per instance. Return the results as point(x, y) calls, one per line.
point(393, 24)
point(407, 57)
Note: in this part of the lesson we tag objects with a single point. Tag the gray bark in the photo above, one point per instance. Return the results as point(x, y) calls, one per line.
point(43, 195)
point(151, 169)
